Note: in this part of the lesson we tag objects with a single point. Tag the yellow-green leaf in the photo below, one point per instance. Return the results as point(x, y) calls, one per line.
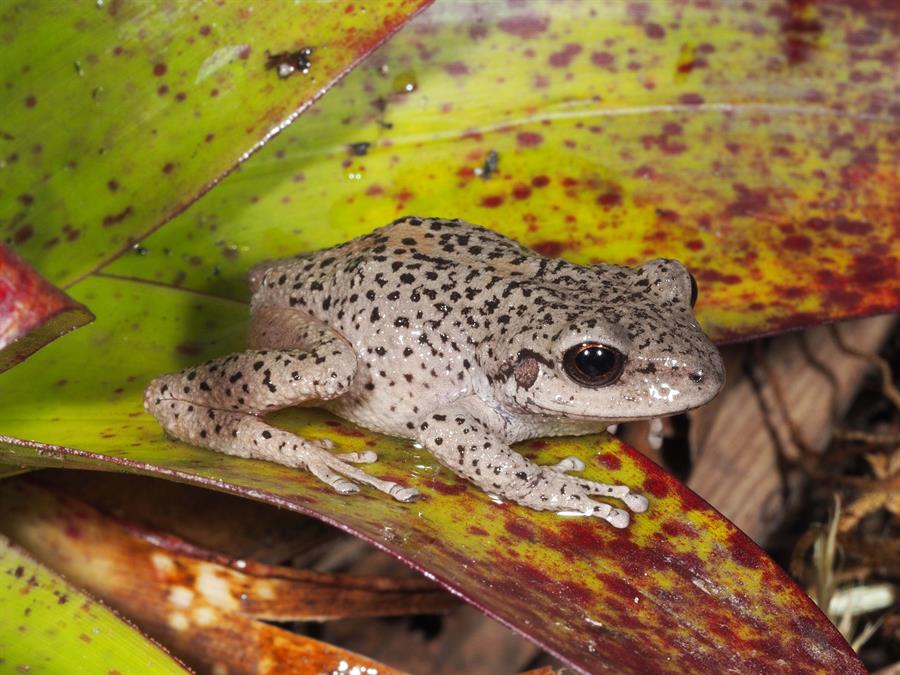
point(116, 115)
point(759, 143)
point(48, 626)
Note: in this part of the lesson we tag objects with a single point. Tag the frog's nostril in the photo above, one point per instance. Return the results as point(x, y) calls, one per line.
point(696, 376)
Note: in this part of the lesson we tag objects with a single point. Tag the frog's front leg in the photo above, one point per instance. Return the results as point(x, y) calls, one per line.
point(295, 359)
point(463, 441)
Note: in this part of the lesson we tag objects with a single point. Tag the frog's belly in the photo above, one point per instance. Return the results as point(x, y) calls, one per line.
point(392, 411)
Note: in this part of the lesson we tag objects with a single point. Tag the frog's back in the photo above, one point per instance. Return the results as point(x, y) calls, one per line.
point(438, 253)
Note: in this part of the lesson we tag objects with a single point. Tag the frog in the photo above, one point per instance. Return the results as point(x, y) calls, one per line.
point(461, 340)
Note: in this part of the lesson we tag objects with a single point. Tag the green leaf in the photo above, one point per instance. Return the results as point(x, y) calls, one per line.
point(116, 115)
point(49, 626)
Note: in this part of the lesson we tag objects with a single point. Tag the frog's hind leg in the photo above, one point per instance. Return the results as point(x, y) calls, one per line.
point(295, 359)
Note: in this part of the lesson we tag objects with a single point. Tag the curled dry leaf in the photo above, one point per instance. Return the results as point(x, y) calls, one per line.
point(183, 596)
point(32, 311)
point(49, 626)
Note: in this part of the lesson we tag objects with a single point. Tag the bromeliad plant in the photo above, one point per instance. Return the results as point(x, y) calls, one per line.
point(755, 144)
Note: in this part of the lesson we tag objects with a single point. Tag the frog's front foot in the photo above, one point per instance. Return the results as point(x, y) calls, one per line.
point(570, 495)
point(568, 464)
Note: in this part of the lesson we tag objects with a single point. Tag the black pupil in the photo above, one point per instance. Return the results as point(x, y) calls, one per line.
point(595, 361)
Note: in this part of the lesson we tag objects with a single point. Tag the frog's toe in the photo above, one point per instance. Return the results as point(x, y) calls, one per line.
point(337, 482)
point(404, 494)
point(637, 503)
point(617, 518)
point(366, 457)
point(569, 464)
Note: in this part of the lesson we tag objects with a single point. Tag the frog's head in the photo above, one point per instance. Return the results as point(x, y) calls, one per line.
point(613, 343)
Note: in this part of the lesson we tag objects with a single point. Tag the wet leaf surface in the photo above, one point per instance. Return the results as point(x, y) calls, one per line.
point(49, 626)
point(758, 143)
point(680, 589)
point(32, 312)
point(116, 115)
point(201, 604)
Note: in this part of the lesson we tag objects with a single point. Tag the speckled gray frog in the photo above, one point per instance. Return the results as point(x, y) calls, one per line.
point(460, 339)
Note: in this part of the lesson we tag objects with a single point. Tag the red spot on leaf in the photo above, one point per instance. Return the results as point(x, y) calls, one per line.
point(116, 218)
point(456, 68)
point(168, 167)
point(748, 202)
point(528, 139)
point(525, 26)
point(609, 199)
point(160, 69)
point(656, 487)
point(609, 460)
point(691, 99)
point(654, 31)
point(564, 57)
point(540, 181)
point(519, 530)
point(23, 234)
point(711, 275)
point(30, 101)
point(492, 201)
point(797, 242)
point(743, 551)
point(550, 248)
point(521, 191)
point(848, 226)
point(603, 59)
point(674, 528)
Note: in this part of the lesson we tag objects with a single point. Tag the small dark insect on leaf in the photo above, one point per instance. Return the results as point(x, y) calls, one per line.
point(490, 166)
point(288, 63)
point(359, 149)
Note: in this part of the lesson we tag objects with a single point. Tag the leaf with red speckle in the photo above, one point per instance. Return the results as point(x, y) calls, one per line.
point(32, 312)
point(49, 626)
point(759, 143)
point(680, 590)
point(116, 115)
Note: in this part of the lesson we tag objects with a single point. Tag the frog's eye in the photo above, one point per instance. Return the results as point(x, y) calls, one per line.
point(694, 290)
point(593, 364)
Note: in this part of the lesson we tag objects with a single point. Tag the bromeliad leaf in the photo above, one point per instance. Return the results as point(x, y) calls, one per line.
point(51, 626)
point(117, 115)
point(681, 588)
point(757, 143)
point(32, 312)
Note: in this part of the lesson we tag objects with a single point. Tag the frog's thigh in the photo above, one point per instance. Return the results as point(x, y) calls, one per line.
point(215, 405)
point(464, 444)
